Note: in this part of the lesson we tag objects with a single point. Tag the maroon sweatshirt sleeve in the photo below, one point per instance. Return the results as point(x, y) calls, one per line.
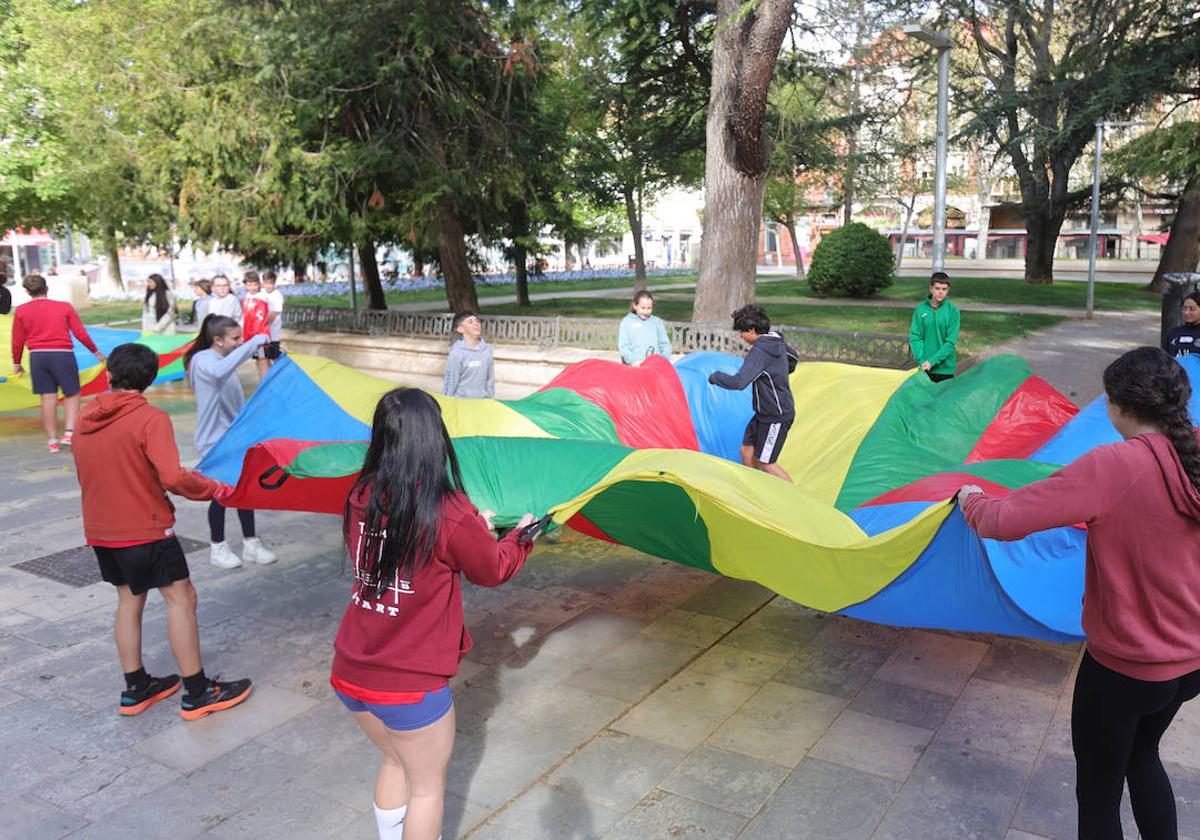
point(18, 338)
point(485, 561)
point(1080, 492)
point(160, 449)
point(76, 326)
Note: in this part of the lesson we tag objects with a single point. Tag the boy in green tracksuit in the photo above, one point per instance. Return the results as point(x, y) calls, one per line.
point(934, 331)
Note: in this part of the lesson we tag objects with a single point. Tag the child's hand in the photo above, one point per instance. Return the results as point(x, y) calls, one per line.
point(487, 516)
point(222, 493)
point(967, 490)
point(525, 520)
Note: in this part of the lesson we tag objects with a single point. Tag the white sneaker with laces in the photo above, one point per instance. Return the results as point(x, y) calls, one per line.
point(222, 556)
point(255, 552)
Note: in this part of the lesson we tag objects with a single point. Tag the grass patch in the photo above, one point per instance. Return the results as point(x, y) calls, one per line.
point(980, 330)
point(104, 311)
point(1005, 290)
point(399, 296)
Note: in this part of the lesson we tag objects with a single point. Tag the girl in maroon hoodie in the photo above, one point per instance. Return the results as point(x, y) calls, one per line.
point(411, 532)
point(1141, 601)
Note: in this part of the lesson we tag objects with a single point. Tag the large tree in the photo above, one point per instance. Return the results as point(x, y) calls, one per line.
point(738, 151)
point(1170, 156)
point(1051, 69)
point(640, 73)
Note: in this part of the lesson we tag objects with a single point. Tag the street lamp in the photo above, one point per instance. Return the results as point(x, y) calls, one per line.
point(1095, 226)
point(941, 42)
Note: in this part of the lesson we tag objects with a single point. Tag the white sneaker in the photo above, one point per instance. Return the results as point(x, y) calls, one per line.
point(255, 552)
point(222, 556)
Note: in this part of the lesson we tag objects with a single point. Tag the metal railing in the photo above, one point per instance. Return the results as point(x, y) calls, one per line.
point(548, 333)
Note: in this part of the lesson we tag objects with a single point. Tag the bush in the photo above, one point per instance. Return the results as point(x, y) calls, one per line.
point(854, 260)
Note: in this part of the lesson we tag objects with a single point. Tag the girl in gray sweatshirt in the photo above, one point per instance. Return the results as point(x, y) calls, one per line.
point(211, 366)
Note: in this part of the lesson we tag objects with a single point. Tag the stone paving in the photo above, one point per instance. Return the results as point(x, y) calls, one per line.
point(609, 695)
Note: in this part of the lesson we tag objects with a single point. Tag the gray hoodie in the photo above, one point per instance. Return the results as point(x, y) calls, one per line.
point(470, 371)
point(219, 395)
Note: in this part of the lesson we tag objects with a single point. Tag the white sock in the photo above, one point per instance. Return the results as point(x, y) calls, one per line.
point(390, 822)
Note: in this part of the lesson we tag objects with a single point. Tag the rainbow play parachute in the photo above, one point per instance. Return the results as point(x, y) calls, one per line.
point(647, 457)
point(15, 391)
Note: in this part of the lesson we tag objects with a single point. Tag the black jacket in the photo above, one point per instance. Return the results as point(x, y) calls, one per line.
point(5, 300)
point(767, 365)
point(1184, 340)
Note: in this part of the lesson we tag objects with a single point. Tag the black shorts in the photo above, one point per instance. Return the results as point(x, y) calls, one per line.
point(143, 567)
point(767, 438)
point(51, 371)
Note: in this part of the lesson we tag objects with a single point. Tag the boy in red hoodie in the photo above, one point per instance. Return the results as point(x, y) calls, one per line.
point(126, 460)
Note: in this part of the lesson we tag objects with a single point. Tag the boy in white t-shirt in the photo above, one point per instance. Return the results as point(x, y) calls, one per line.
point(274, 299)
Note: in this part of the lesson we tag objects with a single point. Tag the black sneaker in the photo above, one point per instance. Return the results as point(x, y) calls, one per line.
point(218, 696)
point(156, 688)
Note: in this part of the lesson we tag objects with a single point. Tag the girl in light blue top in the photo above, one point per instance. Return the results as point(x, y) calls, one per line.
point(642, 333)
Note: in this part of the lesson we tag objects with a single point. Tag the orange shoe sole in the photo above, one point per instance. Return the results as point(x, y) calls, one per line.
point(196, 714)
point(149, 701)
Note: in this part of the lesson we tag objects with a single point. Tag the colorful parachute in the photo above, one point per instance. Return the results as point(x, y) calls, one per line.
point(647, 457)
point(15, 391)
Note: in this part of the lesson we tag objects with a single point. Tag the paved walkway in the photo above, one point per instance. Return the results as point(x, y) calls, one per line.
point(609, 695)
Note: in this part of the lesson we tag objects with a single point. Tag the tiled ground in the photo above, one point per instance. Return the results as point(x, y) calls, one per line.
point(609, 695)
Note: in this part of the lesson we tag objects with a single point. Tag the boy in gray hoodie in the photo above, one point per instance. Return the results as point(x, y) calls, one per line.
point(470, 370)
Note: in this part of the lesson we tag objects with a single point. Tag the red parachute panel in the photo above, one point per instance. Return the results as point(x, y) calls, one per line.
point(646, 403)
point(1027, 420)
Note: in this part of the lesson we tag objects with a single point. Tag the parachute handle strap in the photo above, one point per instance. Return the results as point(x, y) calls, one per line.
point(264, 480)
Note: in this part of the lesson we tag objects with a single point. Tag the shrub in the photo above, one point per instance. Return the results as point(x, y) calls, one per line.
point(854, 260)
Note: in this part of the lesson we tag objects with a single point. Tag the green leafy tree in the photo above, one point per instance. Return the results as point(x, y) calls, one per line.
point(1170, 156)
point(1041, 73)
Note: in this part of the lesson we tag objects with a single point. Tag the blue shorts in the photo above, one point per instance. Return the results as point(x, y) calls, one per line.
point(403, 716)
point(51, 371)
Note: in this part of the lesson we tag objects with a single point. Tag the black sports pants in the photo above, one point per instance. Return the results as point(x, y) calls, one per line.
point(216, 521)
point(1116, 724)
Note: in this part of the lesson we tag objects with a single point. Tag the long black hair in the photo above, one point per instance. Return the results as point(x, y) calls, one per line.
point(159, 293)
point(213, 326)
point(1154, 388)
point(409, 468)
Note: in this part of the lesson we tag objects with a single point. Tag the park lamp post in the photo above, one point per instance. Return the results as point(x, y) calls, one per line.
point(941, 42)
point(1094, 231)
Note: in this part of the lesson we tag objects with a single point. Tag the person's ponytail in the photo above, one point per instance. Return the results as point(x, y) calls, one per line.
point(1154, 387)
point(213, 326)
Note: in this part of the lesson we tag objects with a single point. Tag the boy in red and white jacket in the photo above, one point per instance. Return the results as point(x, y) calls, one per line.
point(127, 461)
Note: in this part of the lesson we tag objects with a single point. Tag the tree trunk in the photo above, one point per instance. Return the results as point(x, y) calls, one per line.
point(790, 224)
point(1042, 227)
point(908, 214)
point(109, 238)
point(1182, 251)
point(985, 228)
point(737, 152)
point(520, 256)
point(370, 272)
point(452, 254)
point(633, 214)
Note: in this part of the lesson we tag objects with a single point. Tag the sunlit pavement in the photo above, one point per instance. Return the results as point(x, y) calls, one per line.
point(609, 694)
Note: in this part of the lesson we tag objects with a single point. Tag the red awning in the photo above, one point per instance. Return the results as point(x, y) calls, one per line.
point(21, 237)
point(1156, 238)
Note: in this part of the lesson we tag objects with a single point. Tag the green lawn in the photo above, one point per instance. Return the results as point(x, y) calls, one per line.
point(425, 295)
point(1008, 290)
point(102, 312)
point(980, 330)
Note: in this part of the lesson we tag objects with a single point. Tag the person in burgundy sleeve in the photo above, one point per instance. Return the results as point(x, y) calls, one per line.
point(412, 534)
point(126, 461)
point(1141, 602)
point(45, 326)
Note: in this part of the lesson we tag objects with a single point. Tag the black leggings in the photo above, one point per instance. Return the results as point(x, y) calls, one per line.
point(1116, 724)
point(216, 522)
